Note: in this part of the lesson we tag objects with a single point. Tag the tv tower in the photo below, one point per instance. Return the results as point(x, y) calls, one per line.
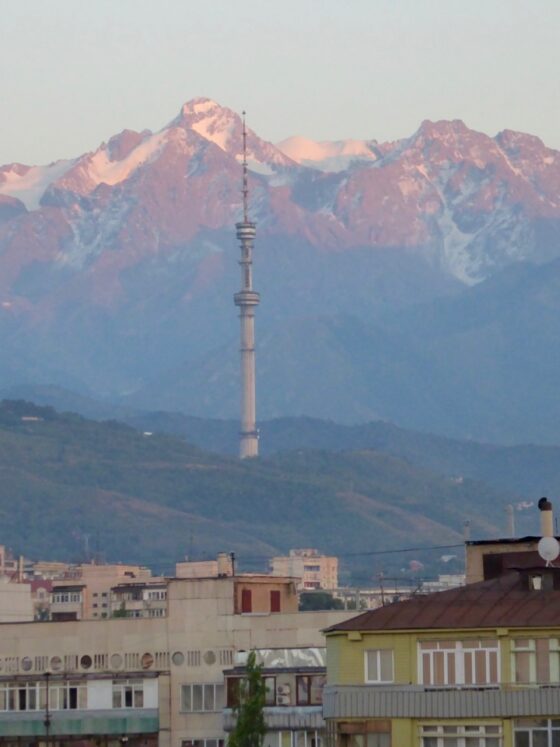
point(247, 299)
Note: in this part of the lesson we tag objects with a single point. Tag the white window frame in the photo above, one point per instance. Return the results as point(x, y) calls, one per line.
point(134, 686)
point(218, 697)
point(205, 742)
point(35, 695)
point(531, 649)
point(519, 727)
point(378, 652)
point(458, 650)
point(440, 732)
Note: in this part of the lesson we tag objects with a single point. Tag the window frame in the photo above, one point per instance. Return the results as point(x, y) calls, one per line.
point(455, 653)
point(309, 677)
point(533, 652)
point(217, 701)
point(123, 688)
point(378, 652)
point(443, 736)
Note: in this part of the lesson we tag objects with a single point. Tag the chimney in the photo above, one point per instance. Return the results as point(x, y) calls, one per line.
point(224, 565)
point(547, 524)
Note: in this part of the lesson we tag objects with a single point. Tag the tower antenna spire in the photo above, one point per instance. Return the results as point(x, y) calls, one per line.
point(245, 177)
point(247, 300)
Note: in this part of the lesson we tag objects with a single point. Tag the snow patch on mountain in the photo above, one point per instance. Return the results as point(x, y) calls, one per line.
point(101, 169)
point(327, 155)
point(28, 183)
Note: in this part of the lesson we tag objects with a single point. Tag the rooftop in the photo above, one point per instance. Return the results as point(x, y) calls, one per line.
point(507, 601)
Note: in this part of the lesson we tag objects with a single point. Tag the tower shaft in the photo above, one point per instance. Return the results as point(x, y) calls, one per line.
point(247, 299)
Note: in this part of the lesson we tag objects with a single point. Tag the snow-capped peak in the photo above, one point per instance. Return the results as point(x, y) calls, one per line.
point(210, 120)
point(327, 155)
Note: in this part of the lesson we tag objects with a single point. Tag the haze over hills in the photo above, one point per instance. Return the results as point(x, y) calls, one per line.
point(166, 498)
point(527, 471)
point(414, 281)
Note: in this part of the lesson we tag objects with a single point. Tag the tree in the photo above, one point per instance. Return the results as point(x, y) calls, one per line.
point(250, 726)
point(319, 600)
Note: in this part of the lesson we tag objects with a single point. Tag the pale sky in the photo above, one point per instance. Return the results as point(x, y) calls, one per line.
point(74, 73)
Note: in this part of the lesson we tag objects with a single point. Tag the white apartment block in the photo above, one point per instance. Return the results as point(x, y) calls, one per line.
point(148, 680)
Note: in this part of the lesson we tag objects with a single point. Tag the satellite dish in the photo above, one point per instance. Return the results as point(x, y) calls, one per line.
point(549, 549)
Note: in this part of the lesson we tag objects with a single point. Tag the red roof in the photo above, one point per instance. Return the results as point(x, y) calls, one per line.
point(504, 602)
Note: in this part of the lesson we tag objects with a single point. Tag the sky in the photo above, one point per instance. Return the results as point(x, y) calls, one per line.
point(74, 73)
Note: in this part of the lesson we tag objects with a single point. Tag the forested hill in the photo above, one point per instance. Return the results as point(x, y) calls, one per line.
point(153, 498)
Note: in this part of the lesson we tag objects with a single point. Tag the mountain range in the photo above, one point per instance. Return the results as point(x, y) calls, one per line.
point(63, 475)
point(414, 281)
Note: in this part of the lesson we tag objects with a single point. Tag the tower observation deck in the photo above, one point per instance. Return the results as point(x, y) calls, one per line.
point(247, 300)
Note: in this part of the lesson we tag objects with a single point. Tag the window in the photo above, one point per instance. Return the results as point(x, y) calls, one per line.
point(379, 665)
point(246, 600)
point(309, 688)
point(471, 735)
point(128, 693)
point(199, 698)
point(217, 742)
point(234, 691)
point(31, 696)
point(371, 733)
point(469, 662)
point(275, 601)
point(532, 732)
point(535, 660)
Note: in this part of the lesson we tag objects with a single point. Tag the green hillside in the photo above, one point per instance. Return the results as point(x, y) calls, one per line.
point(154, 498)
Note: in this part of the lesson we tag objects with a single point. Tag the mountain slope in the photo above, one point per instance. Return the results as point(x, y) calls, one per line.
point(64, 475)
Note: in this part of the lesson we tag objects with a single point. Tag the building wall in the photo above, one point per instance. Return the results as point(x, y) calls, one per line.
point(193, 645)
point(261, 595)
point(16, 603)
point(475, 552)
point(314, 571)
point(349, 699)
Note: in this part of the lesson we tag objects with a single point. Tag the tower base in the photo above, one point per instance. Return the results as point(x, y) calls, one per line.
point(249, 445)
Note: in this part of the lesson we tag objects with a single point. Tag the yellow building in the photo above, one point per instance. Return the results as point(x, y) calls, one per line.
point(476, 666)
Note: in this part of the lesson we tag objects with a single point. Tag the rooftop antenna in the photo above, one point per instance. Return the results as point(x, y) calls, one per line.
point(247, 299)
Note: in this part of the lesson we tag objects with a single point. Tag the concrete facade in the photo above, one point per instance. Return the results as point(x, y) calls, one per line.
point(84, 591)
point(16, 602)
point(146, 680)
point(313, 570)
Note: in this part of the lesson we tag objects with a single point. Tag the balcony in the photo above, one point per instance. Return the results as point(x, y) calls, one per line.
point(125, 721)
point(284, 717)
point(414, 701)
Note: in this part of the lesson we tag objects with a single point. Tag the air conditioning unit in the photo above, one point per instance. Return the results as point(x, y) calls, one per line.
point(283, 690)
point(283, 700)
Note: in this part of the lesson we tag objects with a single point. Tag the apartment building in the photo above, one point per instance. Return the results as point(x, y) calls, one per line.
point(146, 680)
point(313, 570)
point(84, 591)
point(294, 679)
point(478, 665)
point(140, 598)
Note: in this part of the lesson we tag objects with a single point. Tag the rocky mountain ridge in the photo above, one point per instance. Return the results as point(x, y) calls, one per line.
point(117, 268)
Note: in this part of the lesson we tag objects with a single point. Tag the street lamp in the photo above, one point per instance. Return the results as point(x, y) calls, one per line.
point(47, 719)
